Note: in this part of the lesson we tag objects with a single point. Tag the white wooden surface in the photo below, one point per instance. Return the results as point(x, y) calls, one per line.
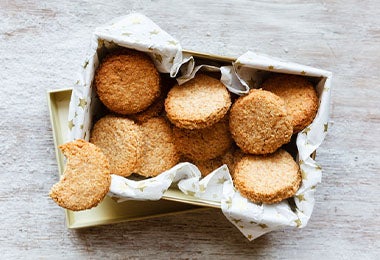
point(42, 45)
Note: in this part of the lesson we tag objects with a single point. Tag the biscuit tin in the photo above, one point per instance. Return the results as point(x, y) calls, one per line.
point(182, 183)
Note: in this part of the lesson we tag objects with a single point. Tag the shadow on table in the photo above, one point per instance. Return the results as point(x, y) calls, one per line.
point(194, 234)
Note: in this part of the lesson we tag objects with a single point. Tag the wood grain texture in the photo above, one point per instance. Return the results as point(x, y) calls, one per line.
point(42, 45)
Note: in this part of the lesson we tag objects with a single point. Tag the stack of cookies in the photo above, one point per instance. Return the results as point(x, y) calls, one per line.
point(152, 125)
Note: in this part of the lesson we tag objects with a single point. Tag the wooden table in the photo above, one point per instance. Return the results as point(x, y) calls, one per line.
point(42, 45)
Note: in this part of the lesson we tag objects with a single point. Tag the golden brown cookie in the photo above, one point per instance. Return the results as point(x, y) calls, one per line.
point(153, 110)
point(259, 122)
point(199, 103)
point(121, 141)
point(159, 150)
point(208, 166)
point(231, 158)
point(203, 144)
point(127, 82)
point(300, 97)
point(86, 179)
point(267, 179)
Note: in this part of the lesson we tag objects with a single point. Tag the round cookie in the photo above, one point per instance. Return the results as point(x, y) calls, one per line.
point(86, 179)
point(300, 97)
point(159, 150)
point(121, 141)
point(127, 82)
point(229, 158)
point(153, 110)
point(208, 166)
point(259, 122)
point(199, 103)
point(203, 144)
point(267, 179)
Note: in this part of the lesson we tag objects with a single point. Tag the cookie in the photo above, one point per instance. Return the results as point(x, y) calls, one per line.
point(208, 166)
point(127, 82)
point(121, 141)
point(153, 110)
point(300, 98)
point(197, 104)
point(86, 179)
point(259, 122)
point(267, 179)
point(231, 158)
point(203, 144)
point(159, 150)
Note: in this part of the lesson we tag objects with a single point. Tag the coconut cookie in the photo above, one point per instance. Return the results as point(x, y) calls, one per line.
point(127, 82)
point(259, 122)
point(203, 144)
point(153, 110)
point(267, 179)
point(86, 179)
point(229, 158)
point(121, 141)
point(300, 97)
point(199, 103)
point(159, 150)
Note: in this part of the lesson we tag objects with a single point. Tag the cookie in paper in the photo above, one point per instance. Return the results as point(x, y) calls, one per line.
point(197, 104)
point(267, 179)
point(127, 82)
point(300, 97)
point(153, 110)
point(121, 141)
point(203, 144)
point(259, 122)
point(229, 158)
point(86, 179)
point(159, 150)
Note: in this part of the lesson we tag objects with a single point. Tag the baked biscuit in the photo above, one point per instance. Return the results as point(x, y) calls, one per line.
point(203, 144)
point(159, 151)
point(199, 103)
point(259, 122)
point(121, 141)
point(267, 179)
point(229, 158)
point(86, 179)
point(300, 97)
point(127, 82)
point(153, 110)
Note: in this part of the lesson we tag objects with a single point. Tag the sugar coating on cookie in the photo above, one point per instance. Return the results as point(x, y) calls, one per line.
point(86, 179)
point(121, 141)
point(267, 179)
point(204, 144)
point(199, 103)
point(127, 82)
point(300, 97)
point(159, 150)
point(259, 122)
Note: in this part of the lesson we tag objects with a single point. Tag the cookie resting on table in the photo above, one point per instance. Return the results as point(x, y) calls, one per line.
point(86, 179)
